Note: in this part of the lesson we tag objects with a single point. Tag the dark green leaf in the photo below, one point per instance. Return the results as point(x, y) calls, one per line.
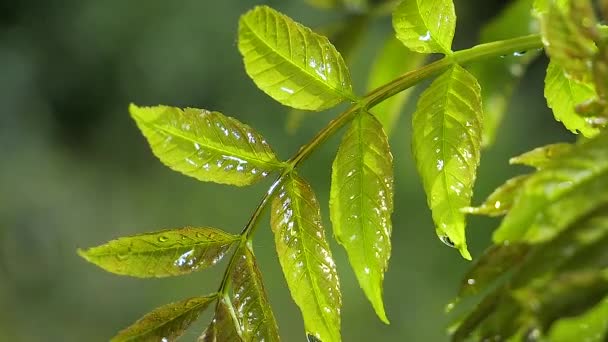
point(206, 145)
point(361, 203)
point(426, 26)
point(500, 201)
point(447, 129)
point(161, 254)
point(167, 322)
point(591, 326)
point(566, 189)
point(542, 156)
point(253, 313)
point(392, 60)
point(222, 327)
point(563, 94)
point(292, 64)
point(306, 259)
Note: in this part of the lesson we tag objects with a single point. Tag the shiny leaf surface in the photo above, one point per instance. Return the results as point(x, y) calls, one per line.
point(565, 190)
point(206, 145)
point(253, 312)
point(392, 60)
point(167, 322)
point(306, 259)
point(447, 129)
point(542, 156)
point(290, 63)
point(500, 201)
point(161, 254)
point(222, 328)
point(361, 203)
point(426, 26)
point(563, 94)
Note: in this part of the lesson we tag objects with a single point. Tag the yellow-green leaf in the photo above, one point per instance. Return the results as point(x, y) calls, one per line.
point(447, 128)
point(426, 26)
point(306, 259)
point(361, 203)
point(542, 156)
point(500, 200)
point(206, 145)
point(392, 60)
point(292, 64)
point(165, 323)
point(563, 94)
point(253, 312)
point(161, 254)
point(222, 328)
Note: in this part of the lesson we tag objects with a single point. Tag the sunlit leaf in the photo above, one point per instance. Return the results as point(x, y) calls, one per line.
point(222, 328)
point(292, 64)
point(500, 201)
point(392, 60)
point(565, 190)
point(447, 129)
point(306, 259)
point(591, 326)
point(426, 26)
point(206, 145)
point(499, 76)
point(542, 156)
point(161, 254)
point(563, 94)
point(167, 322)
point(253, 313)
point(361, 203)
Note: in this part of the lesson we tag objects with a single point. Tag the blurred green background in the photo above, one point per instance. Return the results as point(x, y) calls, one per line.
point(76, 172)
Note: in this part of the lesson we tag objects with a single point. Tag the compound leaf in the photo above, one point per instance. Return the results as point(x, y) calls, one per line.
point(426, 26)
point(222, 328)
point(563, 94)
point(167, 322)
point(290, 63)
point(542, 156)
point(361, 203)
point(306, 259)
point(447, 128)
point(161, 254)
point(253, 313)
point(206, 145)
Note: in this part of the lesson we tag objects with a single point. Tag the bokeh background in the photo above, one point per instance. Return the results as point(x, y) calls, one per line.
point(76, 172)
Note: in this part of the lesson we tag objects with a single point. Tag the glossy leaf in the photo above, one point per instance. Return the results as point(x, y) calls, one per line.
point(206, 145)
point(500, 201)
point(306, 259)
point(292, 64)
point(563, 191)
point(592, 326)
point(447, 129)
point(253, 312)
point(222, 328)
point(563, 94)
point(161, 254)
point(167, 322)
point(499, 76)
point(392, 60)
point(542, 156)
point(361, 203)
point(426, 26)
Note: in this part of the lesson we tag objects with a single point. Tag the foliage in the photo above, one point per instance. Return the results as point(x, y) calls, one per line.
point(546, 273)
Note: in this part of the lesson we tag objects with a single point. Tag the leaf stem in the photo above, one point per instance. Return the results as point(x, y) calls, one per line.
point(373, 98)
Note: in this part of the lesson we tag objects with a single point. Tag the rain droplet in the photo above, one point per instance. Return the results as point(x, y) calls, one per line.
point(445, 239)
point(471, 281)
point(163, 238)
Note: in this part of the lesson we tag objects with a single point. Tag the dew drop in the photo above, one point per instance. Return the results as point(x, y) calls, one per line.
point(445, 239)
point(471, 281)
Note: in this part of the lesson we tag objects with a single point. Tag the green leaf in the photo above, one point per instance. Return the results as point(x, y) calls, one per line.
point(591, 326)
point(167, 322)
point(426, 26)
point(161, 254)
point(361, 203)
point(563, 94)
point(222, 327)
point(542, 156)
point(446, 144)
point(254, 315)
point(564, 32)
point(566, 189)
point(500, 201)
point(306, 259)
point(392, 60)
point(499, 76)
point(206, 145)
point(292, 64)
